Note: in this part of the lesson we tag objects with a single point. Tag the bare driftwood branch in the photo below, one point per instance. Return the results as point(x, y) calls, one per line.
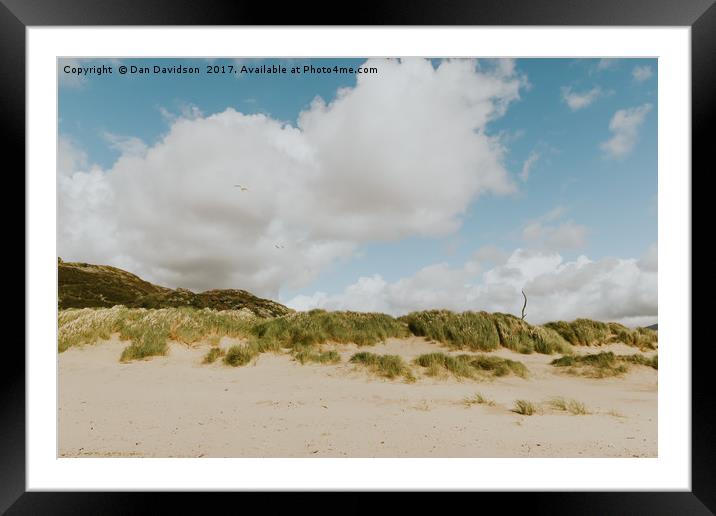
point(524, 306)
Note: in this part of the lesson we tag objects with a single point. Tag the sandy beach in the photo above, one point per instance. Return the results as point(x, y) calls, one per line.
point(175, 406)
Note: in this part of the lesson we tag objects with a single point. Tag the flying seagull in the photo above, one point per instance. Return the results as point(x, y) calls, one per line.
point(278, 246)
point(243, 188)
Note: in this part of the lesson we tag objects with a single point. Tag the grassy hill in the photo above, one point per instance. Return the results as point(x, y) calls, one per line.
point(84, 285)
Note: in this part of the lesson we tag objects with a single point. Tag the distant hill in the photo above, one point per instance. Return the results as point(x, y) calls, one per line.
point(654, 327)
point(84, 285)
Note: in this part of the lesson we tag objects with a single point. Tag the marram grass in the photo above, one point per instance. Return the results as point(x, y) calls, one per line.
point(469, 366)
point(574, 407)
point(213, 354)
point(304, 329)
point(478, 399)
point(304, 356)
point(149, 331)
point(602, 365)
point(586, 332)
point(388, 366)
point(482, 331)
point(524, 407)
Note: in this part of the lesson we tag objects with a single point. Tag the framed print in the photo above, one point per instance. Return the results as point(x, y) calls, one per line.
point(440, 249)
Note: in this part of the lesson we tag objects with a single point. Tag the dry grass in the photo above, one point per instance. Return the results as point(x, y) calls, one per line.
point(525, 408)
point(149, 330)
point(574, 407)
point(478, 399)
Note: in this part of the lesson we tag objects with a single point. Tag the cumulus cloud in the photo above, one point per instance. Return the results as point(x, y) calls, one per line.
point(70, 158)
point(624, 126)
point(611, 289)
point(547, 233)
point(642, 73)
point(402, 153)
point(579, 100)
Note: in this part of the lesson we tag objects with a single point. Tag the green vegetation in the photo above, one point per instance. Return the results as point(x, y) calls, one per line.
point(149, 330)
point(240, 355)
point(602, 365)
point(471, 330)
point(478, 399)
point(149, 343)
point(481, 331)
point(520, 336)
point(499, 366)
point(213, 354)
point(304, 329)
point(642, 338)
point(325, 357)
point(467, 366)
point(439, 363)
point(388, 366)
point(585, 332)
point(524, 407)
point(636, 359)
point(572, 406)
point(83, 285)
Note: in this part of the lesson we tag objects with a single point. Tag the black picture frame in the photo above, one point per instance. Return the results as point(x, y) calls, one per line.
point(17, 15)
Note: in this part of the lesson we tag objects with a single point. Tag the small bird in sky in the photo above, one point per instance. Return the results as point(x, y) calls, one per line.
point(243, 188)
point(278, 246)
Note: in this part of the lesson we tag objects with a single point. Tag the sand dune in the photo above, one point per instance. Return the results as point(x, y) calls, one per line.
point(175, 406)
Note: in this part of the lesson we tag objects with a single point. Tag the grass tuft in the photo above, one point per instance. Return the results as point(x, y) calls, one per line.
point(326, 357)
point(602, 365)
point(466, 366)
point(524, 407)
point(572, 406)
point(438, 363)
point(388, 366)
point(240, 355)
point(148, 344)
point(213, 354)
point(478, 399)
point(499, 366)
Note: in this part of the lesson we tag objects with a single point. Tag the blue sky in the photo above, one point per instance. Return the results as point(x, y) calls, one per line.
point(575, 193)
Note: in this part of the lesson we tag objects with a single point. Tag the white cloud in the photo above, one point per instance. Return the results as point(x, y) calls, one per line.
point(403, 153)
point(528, 164)
point(127, 145)
point(624, 126)
point(579, 100)
point(545, 233)
point(642, 73)
point(611, 289)
point(69, 157)
point(607, 64)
